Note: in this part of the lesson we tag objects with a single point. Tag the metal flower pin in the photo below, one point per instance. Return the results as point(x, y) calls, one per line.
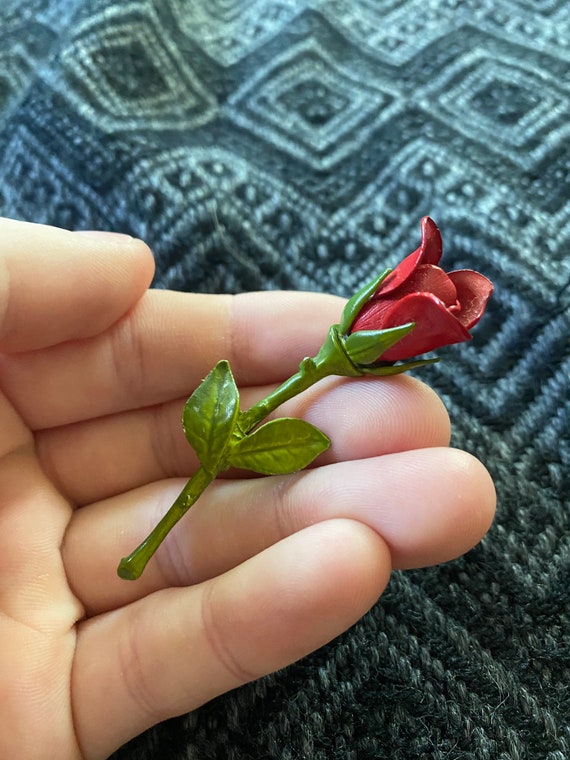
point(400, 314)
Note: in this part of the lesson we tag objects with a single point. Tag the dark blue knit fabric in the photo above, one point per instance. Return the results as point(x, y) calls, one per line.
point(296, 144)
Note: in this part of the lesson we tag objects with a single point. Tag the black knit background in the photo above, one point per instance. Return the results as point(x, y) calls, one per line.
point(290, 144)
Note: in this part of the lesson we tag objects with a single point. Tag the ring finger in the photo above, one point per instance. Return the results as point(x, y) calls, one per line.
point(100, 458)
point(429, 505)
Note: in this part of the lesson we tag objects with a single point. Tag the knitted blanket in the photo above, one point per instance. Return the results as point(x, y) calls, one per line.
point(296, 144)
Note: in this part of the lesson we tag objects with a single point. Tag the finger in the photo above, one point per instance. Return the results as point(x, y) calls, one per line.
point(363, 417)
point(429, 505)
point(58, 286)
point(164, 348)
point(177, 649)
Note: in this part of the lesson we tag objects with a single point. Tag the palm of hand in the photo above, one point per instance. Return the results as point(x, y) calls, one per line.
point(260, 572)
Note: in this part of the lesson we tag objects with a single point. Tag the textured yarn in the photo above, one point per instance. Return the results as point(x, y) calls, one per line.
point(289, 144)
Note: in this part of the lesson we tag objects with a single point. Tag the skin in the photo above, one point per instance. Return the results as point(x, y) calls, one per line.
point(94, 371)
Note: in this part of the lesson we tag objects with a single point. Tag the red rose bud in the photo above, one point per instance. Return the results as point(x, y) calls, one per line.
point(443, 306)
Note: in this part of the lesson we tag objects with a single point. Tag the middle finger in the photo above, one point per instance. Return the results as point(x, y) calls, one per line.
point(100, 458)
point(428, 505)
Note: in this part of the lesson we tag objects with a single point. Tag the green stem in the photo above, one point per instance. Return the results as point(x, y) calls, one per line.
point(310, 372)
point(131, 567)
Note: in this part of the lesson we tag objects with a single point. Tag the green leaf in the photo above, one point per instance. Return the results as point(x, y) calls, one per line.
point(279, 447)
point(332, 358)
point(397, 369)
point(355, 304)
point(209, 417)
point(366, 346)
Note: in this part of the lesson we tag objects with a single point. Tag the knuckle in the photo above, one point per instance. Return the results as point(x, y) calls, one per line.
point(218, 636)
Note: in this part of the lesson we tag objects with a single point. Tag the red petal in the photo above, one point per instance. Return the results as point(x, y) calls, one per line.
point(431, 246)
point(427, 278)
point(429, 252)
point(430, 279)
point(400, 275)
point(371, 316)
point(473, 292)
point(435, 326)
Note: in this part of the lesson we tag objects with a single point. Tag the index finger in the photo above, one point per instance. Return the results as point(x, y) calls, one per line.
point(163, 348)
point(57, 285)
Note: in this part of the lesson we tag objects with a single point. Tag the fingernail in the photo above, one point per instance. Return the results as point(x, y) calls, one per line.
point(104, 235)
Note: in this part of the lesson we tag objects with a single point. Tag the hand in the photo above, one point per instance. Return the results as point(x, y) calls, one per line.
point(94, 372)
